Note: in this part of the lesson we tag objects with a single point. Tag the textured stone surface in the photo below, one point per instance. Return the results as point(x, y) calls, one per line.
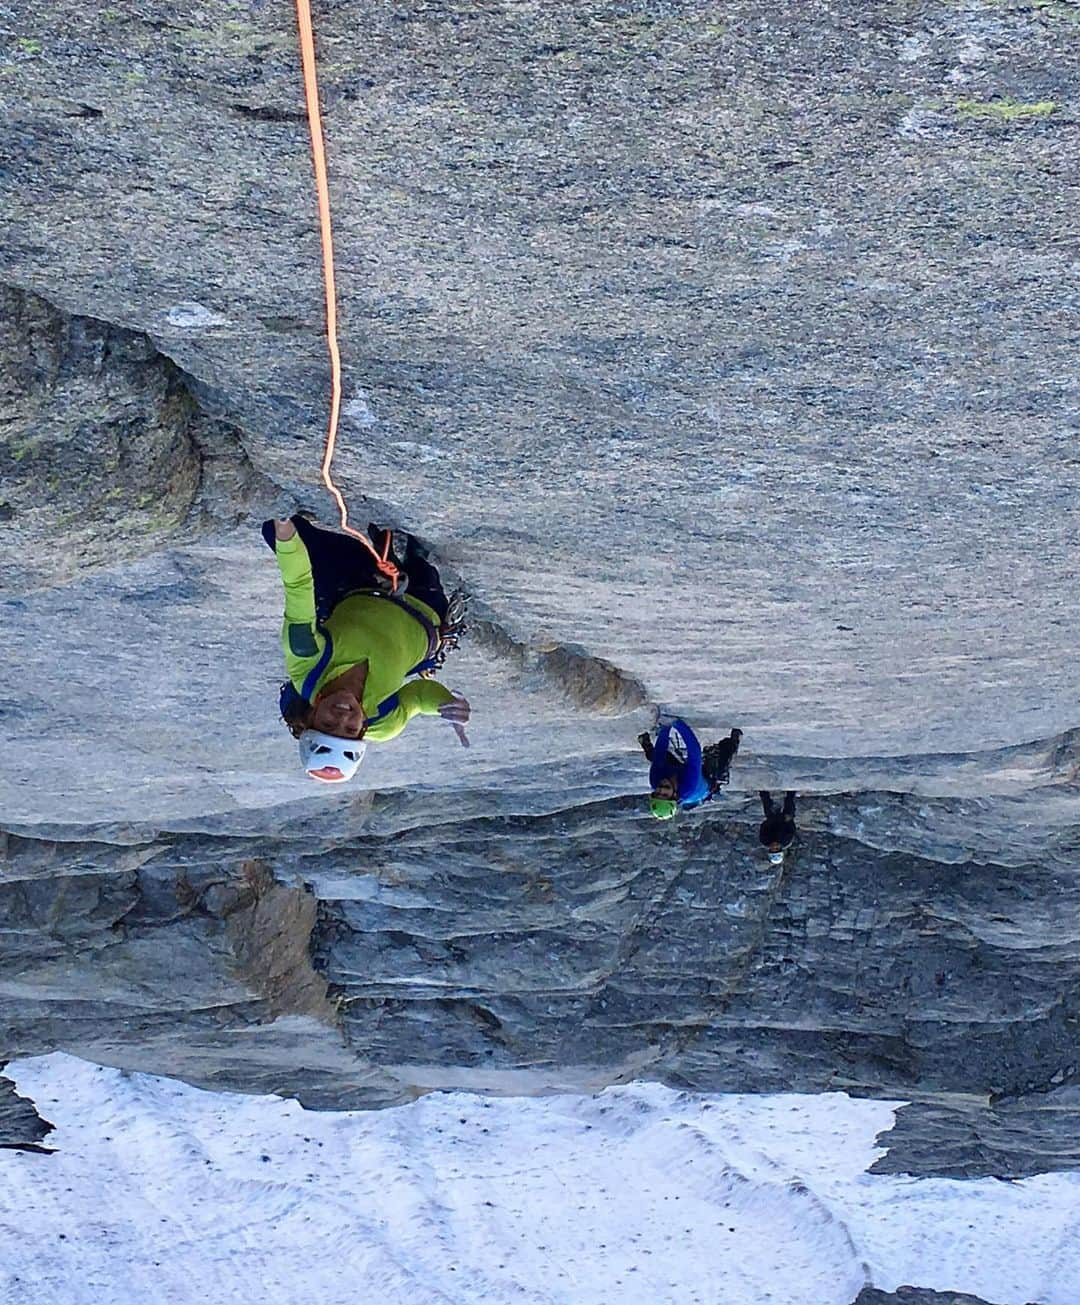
point(96, 440)
point(565, 951)
point(916, 1296)
point(1036, 1132)
point(21, 1127)
point(726, 357)
point(680, 301)
point(128, 963)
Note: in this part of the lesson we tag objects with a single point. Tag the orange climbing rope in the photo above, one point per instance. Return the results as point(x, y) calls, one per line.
point(318, 154)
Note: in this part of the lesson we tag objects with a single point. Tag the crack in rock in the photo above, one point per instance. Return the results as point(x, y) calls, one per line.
point(270, 928)
point(588, 682)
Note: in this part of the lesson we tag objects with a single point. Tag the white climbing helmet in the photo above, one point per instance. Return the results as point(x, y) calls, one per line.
point(326, 757)
point(776, 858)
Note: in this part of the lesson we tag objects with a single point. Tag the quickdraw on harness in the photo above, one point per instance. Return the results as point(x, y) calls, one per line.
point(452, 629)
point(318, 153)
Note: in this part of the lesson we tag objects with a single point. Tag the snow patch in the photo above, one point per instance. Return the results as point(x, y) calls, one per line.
point(918, 122)
point(419, 452)
point(193, 316)
point(159, 1191)
point(914, 49)
point(358, 410)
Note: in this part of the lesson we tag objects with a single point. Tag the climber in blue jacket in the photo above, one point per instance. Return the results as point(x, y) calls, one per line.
point(681, 776)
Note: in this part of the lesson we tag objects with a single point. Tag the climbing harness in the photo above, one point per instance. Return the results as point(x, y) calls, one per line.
point(322, 188)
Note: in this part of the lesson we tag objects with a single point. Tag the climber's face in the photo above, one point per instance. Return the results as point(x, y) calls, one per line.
point(665, 789)
point(339, 713)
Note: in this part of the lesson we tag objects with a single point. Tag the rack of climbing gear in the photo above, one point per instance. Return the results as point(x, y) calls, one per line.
point(454, 626)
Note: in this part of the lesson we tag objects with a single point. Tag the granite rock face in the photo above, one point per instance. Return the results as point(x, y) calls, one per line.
point(742, 324)
point(916, 1296)
point(21, 1127)
point(106, 454)
point(726, 359)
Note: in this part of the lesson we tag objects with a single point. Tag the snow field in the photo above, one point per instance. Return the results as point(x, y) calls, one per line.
point(643, 1196)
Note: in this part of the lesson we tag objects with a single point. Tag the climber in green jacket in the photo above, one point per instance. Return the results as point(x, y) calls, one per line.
point(349, 648)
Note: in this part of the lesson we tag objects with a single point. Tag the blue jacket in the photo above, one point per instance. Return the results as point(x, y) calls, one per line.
point(691, 786)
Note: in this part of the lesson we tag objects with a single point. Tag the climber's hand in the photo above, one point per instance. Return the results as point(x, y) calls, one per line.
point(457, 713)
point(284, 530)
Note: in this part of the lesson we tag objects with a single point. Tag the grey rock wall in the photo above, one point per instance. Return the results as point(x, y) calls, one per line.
point(564, 952)
point(727, 359)
point(747, 326)
point(106, 454)
point(916, 1296)
point(1034, 1132)
point(21, 1127)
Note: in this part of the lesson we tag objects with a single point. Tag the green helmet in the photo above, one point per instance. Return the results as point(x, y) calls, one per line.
point(663, 808)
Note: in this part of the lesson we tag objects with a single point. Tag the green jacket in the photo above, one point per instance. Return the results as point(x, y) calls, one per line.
point(364, 628)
